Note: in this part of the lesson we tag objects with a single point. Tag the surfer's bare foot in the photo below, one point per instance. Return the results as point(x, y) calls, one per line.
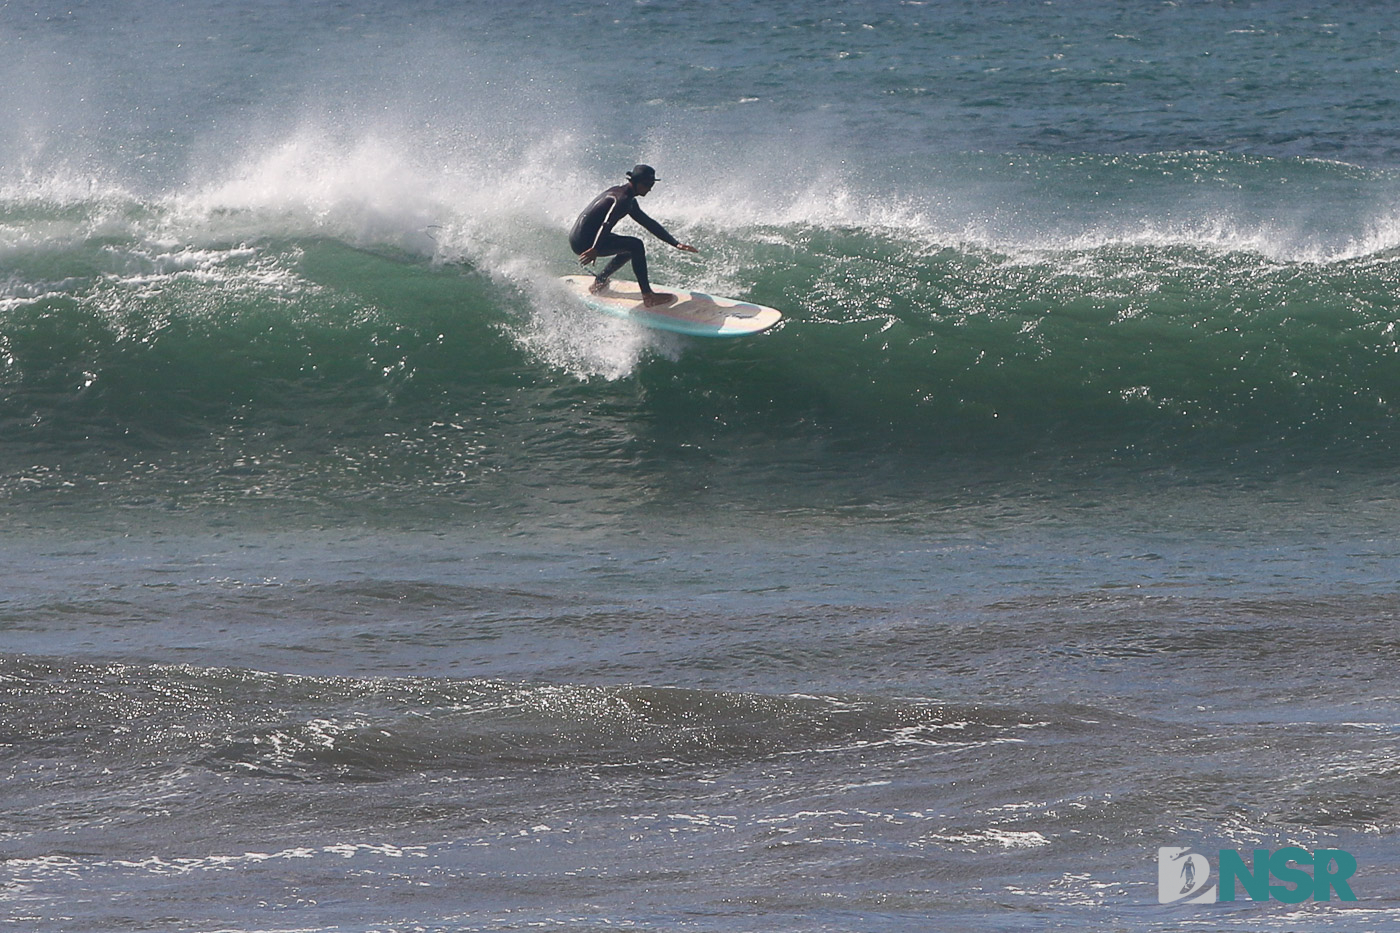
point(599, 286)
point(656, 299)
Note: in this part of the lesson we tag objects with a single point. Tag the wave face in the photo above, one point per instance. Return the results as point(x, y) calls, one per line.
point(255, 336)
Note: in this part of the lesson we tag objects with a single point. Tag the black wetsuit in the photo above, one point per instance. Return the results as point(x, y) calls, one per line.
point(593, 229)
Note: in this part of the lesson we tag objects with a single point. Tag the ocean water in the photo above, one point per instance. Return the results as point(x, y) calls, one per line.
point(356, 579)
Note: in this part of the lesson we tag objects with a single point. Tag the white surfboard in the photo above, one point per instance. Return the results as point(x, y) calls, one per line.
point(693, 313)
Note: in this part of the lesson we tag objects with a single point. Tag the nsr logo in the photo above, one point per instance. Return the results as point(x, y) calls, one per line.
point(1183, 875)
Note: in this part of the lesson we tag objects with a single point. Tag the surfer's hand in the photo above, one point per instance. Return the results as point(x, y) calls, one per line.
point(686, 248)
point(586, 257)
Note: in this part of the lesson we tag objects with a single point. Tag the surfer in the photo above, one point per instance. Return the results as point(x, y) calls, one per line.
point(593, 235)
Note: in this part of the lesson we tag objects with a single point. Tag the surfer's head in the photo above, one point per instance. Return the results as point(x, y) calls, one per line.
point(642, 177)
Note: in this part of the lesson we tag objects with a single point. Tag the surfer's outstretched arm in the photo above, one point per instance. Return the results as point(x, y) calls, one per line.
point(656, 229)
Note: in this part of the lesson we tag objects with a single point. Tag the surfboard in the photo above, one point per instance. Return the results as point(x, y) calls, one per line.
point(693, 313)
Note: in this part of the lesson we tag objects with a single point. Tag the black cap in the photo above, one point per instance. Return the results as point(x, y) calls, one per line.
point(642, 173)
